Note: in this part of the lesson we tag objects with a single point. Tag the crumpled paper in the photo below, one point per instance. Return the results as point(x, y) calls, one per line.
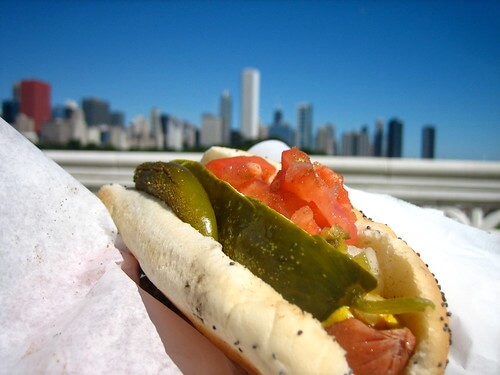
point(68, 307)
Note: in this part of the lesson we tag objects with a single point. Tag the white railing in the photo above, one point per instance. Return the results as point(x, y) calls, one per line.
point(468, 191)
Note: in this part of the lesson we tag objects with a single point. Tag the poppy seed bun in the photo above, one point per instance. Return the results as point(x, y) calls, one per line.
point(241, 314)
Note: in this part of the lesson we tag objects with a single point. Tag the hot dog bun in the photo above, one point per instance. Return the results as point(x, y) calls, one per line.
point(241, 314)
point(247, 318)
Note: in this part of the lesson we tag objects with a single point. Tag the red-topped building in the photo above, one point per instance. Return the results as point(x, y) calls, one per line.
point(34, 98)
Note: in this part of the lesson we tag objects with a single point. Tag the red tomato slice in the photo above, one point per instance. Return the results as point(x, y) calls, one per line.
point(317, 184)
point(240, 170)
point(309, 194)
point(371, 351)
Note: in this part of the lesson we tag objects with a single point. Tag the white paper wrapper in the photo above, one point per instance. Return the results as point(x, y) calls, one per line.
point(67, 307)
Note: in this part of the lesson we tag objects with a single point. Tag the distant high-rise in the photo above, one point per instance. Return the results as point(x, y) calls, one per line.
point(365, 146)
point(96, 111)
point(225, 113)
point(428, 141)
point(117, 118)
point(250, 86)
point(325, 139)
point(156, 128)
point(280, 129)
point(211, 130)
point(173, 132)
point(35, 101)
point(395, 138)
point(305, 126)
point(378, 139)
point(10, 110)
point(190, 136)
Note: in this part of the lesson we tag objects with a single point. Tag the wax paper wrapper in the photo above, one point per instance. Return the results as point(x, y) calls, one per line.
point(67, 306)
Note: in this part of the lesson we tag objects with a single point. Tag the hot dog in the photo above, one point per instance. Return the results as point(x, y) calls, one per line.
point(266, 322)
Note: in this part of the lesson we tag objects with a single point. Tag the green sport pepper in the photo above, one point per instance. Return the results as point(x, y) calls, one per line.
point(181, 190)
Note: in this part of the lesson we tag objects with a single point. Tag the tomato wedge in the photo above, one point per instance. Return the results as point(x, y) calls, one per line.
point(242, 170)
point(373, 352)
point(310, 194)
point(320, 187)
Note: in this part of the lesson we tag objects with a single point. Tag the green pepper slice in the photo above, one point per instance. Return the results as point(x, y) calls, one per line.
point(181, 190)
point(305, 269)
point(399, 305)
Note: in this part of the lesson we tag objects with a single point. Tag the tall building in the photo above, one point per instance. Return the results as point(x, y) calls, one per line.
point(378, 139)
point(325, 139)
point(428, 141)
point(96, 111)
point(157, 129)
point(280, 129)
point(117, 118)
point(190, 138)
point(175, 133)
point(395, 138)
point(164, 121)
point(211, 130)
point(350, 143)
point(34, 97)
point(76, 119)
point(140, 134)
point(250, 86)
point(305, 126)
point(225, 113)
point(172, 129)
point(10, 110)
point(364, 144)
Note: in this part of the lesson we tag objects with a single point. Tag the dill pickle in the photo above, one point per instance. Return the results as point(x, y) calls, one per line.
point(305, 269)
point(181, 191)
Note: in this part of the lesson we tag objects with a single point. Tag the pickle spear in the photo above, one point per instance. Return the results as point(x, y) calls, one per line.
point(305, 269)
point(181, 191)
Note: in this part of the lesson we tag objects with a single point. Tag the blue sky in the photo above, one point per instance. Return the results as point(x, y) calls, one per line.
point(425, 62)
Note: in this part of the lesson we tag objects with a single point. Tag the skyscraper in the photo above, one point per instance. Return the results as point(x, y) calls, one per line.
point(350, 143)
point(395, 138)
point(280, 129)
point(428, 141)
point(117, 118)
point(225, 113)
point(35, 101)
point(10, 110)
point(364, 144)
point(250, 86)
point(156, 128)
point(304, 126)
point(211, 130)
point(378, 139)
point(96, 111)
point(325, 139)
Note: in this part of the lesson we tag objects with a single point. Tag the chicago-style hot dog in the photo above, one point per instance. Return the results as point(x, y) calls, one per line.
point(324, 291)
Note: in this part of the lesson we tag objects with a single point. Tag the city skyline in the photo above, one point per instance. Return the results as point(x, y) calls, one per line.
point(356, 62)
point(96, 125)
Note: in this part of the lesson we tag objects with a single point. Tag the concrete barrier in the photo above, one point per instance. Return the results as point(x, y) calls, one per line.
point(468, 191)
